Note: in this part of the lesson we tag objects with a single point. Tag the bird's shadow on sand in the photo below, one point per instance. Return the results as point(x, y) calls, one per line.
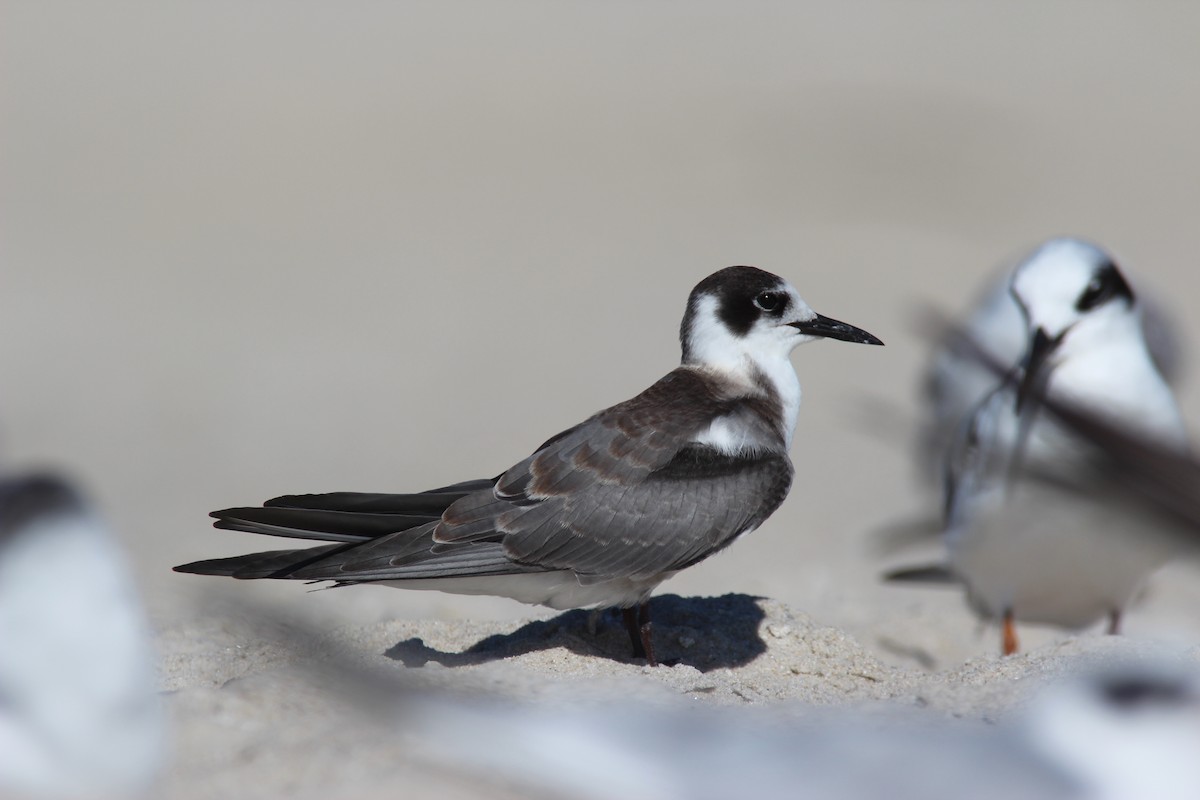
point(703, 632)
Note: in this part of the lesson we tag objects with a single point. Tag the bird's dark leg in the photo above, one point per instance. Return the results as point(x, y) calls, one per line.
point(647, 632)
point(1114, 622)
point(630, 616)
point(637, 622)
point(1009, 633)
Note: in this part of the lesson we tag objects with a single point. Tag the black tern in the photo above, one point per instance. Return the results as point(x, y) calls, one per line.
point(603, 512)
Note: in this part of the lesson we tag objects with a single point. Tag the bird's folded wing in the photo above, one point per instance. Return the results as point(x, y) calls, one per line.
point(693, 507)
point(629, 493)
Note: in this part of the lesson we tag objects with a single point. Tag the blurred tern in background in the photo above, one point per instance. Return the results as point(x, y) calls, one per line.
point(1037, 526)
point(79, 708)
point(603, 512)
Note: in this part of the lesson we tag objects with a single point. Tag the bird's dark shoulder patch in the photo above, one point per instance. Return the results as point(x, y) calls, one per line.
point(699, 461)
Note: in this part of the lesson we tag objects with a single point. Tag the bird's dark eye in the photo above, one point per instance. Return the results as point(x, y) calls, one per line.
point(770, 301)
point(1105, 285)
point(1094, 295)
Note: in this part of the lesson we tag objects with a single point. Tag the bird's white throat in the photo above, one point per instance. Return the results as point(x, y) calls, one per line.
point(762, 355)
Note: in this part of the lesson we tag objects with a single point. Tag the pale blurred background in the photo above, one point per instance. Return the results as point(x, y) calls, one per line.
point(256, 248)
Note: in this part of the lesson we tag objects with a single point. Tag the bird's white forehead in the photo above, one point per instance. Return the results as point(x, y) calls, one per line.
point(1049, 282)
point(800, 310)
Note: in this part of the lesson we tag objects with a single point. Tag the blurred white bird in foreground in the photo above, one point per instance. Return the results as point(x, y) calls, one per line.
point(1036, 526)
point(1126, 732)
point(79, 710)
point(1121, 734)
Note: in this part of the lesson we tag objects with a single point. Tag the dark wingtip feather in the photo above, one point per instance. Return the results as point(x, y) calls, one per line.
point(938, 574)
point(209, 567)
point(269, 564)
point(432, 502)
point(226, 513)
point(322, 525)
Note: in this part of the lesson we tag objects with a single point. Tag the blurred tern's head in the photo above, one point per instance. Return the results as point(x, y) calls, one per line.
point(1074, 299)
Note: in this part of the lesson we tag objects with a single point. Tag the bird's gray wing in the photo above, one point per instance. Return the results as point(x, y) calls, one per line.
point(628, 493)
point(677, 516)
point(692, 507)
point(603, 458)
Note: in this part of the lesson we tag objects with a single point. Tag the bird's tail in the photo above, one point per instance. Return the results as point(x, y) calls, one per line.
point(346, 519)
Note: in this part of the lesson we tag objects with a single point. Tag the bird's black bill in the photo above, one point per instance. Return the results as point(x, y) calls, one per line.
point(1036, 374)
point(832, 329)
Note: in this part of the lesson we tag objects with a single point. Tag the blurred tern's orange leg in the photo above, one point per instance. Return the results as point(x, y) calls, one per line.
point(1010, 634)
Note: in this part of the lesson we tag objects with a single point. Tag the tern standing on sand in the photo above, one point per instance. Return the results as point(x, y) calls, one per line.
point(603, 512)
point(1036, 527)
